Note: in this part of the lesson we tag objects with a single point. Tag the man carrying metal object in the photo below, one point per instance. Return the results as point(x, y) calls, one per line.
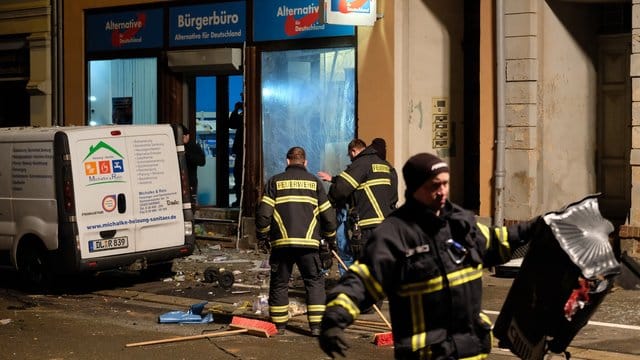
point(293, 216)
point(427, 258)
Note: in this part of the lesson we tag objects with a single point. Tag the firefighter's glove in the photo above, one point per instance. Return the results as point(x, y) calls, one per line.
point(523, 232)
point(357, 247)
point(264, 245)
point(333, 341)
point(331, 243)
point(325, 255)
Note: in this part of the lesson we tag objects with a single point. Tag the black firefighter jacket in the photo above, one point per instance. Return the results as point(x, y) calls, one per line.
point(430, 268)
point(369, 185)
point(294, 210)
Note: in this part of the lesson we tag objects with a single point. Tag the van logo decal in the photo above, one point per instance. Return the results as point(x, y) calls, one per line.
point(101, 145)
point(104, 168)
point(109, 203)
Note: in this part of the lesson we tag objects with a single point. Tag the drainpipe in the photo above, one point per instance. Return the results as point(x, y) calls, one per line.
point(57, 63)
point(499, 175)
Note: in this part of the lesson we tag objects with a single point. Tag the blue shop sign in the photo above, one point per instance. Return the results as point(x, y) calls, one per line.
point(207, 24)
point(292, 19)
point(141, 29)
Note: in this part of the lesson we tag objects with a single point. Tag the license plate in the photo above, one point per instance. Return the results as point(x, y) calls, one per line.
point(108, 244)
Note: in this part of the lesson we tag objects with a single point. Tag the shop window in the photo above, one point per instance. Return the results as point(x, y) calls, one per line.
point(123, 91)
point(308, 100)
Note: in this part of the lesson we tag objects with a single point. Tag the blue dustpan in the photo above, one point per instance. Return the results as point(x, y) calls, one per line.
point(193, 316)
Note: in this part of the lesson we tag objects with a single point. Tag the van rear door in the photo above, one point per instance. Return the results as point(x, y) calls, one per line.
point(127, 189)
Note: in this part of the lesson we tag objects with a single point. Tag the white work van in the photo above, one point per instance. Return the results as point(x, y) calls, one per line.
point(84, 199)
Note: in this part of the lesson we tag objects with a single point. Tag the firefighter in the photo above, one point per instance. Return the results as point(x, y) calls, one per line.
point(369, 186)
point(427, 257)
point(293, 217)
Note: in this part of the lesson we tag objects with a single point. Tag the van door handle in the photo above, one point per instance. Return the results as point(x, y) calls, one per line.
point(122, 204)
point(107, 234)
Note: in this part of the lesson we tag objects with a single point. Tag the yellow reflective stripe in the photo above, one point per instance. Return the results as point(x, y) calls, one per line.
point(464, 276)
point(279, 313)
point(312, 225)
point(295, 241)
point(373, 286)
point(418, 341)
point(325, 206)
point(348, 178)
point(297, 199)
point(485, 318)
point(366, 187)
point(502, 236)
point(264, 230)
point(375, 182)
point(484, 229)
point(374, 202)
point(346, 303)
point(278, 308)
point(314, 318)
point(330, 234)
point(316, 308)
point(280, 319)
point(429, 286)
point(278, 219)
point(371, 221)
point(455, 278)
point(267, 200)
point(476, 357)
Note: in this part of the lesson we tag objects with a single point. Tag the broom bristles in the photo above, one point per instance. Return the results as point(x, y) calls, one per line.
point(258, 327)
point(383, 339)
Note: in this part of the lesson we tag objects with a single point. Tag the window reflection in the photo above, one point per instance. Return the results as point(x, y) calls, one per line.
point(308, 100)
point(123, 91)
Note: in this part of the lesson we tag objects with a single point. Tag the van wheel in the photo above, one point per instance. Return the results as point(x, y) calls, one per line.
point(34, 269)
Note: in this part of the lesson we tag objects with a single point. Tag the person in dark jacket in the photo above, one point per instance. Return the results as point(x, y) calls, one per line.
point(293, 217)
point(195, 157)
point(236, 121)
point(369, 186)
point(343, 233)
point(427, 258)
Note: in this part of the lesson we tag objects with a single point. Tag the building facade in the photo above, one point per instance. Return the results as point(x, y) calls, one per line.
point(28, 38)
point(557, 122)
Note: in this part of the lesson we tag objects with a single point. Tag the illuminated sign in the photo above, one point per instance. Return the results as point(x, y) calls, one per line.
point(293, 19)
point(349, 12)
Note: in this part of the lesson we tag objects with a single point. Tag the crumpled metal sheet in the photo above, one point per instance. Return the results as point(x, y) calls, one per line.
point(584, 235)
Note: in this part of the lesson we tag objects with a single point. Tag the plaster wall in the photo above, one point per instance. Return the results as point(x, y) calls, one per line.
point(568, 106)
point(550, 157)
point(376, 79)
point(430, 56)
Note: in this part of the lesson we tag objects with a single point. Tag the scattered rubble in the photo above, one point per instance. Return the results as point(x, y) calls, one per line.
point(246, 285)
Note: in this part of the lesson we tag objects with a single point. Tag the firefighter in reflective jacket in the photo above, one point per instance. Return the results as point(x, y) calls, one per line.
point(427, 257)
point(293, 216)
point(369, 185)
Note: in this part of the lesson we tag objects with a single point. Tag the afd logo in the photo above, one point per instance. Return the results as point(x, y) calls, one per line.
point(124, 32)
point(346, 7)
point(103, 164)
point(300, 19)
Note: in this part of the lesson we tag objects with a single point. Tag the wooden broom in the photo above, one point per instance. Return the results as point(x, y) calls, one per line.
point(241, 325)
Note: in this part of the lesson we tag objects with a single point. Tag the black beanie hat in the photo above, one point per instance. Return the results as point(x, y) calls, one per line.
point(420, 168)
point(380, 146)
